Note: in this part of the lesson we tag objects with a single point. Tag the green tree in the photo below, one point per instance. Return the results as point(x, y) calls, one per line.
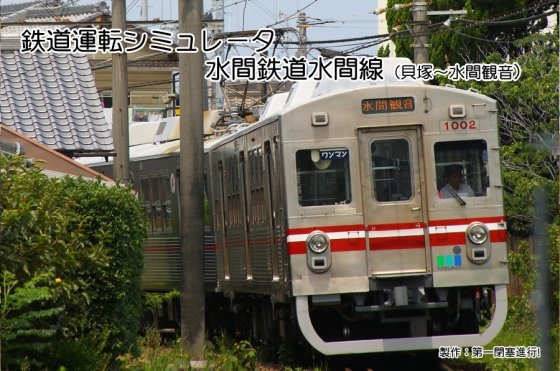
point(76, 245)
point(27, 314)
point(528, 116)
point(488, 27)
point(384, 51)
point(117, 227)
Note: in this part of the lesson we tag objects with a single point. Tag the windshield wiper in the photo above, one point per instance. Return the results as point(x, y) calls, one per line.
point(457, 197)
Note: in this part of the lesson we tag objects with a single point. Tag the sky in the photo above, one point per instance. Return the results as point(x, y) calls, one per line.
point(329, 19)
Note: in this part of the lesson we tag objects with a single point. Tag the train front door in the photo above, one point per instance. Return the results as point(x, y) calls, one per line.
point(392, 193)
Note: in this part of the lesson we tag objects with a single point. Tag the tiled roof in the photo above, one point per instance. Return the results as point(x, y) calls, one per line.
point(51, 11)
point(52, 98)
point(33, 14)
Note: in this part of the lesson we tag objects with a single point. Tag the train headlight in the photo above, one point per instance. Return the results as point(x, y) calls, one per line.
point(477, 233)
point(317, 242)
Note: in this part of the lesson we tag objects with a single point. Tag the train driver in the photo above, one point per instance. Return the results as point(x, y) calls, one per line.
point(455, 184)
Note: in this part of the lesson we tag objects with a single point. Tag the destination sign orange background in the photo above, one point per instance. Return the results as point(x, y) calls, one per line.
point(387, 105)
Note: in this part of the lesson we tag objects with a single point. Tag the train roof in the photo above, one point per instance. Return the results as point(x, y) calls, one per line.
point(162, 138)
point(303, 91)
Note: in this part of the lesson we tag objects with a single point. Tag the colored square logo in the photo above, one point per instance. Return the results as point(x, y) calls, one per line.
point(449, 261)
point(457, 260)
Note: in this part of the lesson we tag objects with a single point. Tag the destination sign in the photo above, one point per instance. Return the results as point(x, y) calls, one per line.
point(387, 105)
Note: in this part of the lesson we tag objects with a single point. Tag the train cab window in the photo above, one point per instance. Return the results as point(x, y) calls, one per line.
point(323, 176)
point(391, 170)
point(461, 168)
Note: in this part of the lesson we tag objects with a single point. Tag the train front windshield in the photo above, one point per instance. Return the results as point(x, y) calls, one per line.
point(323, 176)
point(392, 176)
point(463, 164)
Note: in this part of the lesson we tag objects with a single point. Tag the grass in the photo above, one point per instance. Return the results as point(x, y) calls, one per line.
point(220, 354)
point(155, 357)
point(224, 354)
point(518, 331)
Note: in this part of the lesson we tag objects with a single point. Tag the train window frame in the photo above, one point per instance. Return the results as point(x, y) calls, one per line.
point(233, 191)
point(393, 172)
point(316, 177)
point(470, 158)
point(256, 185)
point(156, 202)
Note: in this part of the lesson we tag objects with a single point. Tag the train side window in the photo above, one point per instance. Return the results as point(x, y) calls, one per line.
point(463, 167)
point(323, 176)
point(256, 184)
point(391, 170)
point(145, 196)
point(165, 203)
point(233, 192)
point(156, 203)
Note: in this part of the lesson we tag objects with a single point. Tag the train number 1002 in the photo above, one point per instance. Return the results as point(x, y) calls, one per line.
point(458, 125)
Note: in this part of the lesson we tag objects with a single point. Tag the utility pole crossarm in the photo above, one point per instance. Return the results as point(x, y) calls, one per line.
point(446, 12)
point(420, 23)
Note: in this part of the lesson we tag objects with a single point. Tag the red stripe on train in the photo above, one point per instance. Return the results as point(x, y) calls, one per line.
point(343, 245)
point(395, 226)
point(296, 248)
point(460, 238)
point(448, 222)
point(327, 229)
point(396, 243)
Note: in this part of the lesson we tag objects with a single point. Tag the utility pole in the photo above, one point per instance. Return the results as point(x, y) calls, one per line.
point(191, 185)
point(217, 100)
point(302, 33)
point(420, 27)
point(120, 100)
point(420, 23)
point(144, 10)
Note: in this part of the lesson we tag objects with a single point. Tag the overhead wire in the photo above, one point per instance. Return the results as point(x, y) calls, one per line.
point(494, 22)
point(481, 39)
point(508, 22)
point(263, 9)
point(129, 8)
point(440, 28)
point(292, 15)
point(356, 44)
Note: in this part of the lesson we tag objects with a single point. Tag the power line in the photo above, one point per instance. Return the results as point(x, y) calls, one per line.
point(129, 8)
point(481, 39)
point(439, 28)
point(290, 16)
point(508, 22)
point(334, 41)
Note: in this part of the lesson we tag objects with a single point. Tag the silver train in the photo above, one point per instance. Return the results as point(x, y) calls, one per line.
point(366, 216)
